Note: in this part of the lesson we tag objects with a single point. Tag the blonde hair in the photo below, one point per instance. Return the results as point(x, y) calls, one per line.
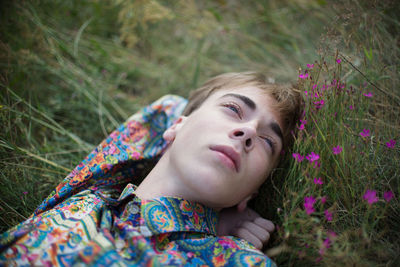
point(288, 97)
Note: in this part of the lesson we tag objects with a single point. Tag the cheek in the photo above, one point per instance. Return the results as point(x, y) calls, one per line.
point(259, 165)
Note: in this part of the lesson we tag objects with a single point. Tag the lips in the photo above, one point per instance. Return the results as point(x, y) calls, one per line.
point(230, 153)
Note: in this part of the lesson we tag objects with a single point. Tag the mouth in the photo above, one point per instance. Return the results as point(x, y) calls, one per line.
point(230, 154)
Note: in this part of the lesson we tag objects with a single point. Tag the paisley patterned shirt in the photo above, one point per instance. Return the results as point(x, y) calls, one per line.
point(94, 228)
point(93, 217)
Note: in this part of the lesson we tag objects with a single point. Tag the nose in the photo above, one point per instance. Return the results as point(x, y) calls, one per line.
point(246, 135)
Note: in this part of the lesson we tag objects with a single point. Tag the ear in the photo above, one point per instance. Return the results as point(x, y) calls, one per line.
point(243, 204)
point(170, 133)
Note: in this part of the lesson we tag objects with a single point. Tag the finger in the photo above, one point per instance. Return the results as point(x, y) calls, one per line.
point(257, 231)
point(251, 215)
point(266, 224)
point(249, 237)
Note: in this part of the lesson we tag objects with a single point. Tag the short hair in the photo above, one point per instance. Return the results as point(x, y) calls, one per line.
point(288, 97)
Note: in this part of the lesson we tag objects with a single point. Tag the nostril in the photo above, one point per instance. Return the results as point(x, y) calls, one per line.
point(248, 142)
point(238, 133)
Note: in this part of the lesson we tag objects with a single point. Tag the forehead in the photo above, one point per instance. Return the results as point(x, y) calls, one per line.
point(255, 93)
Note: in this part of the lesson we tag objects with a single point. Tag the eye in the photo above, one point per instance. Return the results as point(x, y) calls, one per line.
point(234, 107)
point(270, 142)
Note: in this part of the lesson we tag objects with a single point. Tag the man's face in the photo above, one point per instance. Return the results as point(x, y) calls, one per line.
point(224, 150)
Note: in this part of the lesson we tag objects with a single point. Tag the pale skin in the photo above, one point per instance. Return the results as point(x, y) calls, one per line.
point(246, 224)
point(219, 155)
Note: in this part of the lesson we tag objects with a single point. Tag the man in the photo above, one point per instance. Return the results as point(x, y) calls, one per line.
point(219, 152)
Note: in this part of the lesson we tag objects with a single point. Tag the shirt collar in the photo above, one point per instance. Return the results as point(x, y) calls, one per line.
point(164, 214)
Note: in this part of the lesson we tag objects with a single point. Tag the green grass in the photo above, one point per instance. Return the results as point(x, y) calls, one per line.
point(71, 71)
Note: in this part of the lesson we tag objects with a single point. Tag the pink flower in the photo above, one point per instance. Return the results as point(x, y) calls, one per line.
point(303, 121)
point(310, 66)
point(303, 76)
point(327, 243)
point(338, 60)
point(369, 94)
point(323, 199)
point(336, 150)
point(391, 143)
point(309, 204)
point(298, 157)
point(351, 107)
point(318, 181)
point(312, 157)
point(302, 125)
point(365, 133)
point(388, 195)
point(328, 215)
point(316, 164)
point(25, 192)
point(319, 104)
point(370, 196)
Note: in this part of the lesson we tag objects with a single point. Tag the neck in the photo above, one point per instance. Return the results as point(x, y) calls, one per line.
point(163, 181)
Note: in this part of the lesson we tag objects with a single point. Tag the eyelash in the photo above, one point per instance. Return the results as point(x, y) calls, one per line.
point(235, 108)
point(270, 142)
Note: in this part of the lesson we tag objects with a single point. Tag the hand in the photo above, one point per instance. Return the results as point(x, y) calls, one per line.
point(246, 224)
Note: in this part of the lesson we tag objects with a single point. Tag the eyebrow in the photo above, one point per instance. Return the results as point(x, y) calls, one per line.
point(250, 103)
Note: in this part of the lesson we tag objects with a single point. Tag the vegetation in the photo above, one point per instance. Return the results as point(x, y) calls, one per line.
point(72, 71)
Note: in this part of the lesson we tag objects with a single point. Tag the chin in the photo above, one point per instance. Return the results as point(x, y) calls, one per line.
point(218, 205)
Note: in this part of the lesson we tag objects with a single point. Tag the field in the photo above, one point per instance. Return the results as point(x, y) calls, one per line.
point(72, 71)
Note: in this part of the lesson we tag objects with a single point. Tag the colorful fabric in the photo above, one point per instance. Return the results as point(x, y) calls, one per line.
point(94, 217)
